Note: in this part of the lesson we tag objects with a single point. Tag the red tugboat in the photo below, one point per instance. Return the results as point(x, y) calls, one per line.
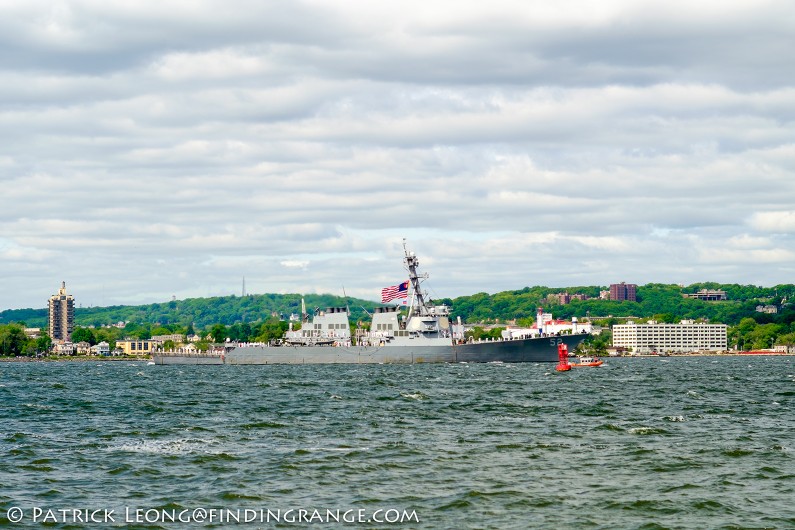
point(563, 359)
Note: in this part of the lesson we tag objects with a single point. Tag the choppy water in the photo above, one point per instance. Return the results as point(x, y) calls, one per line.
point(638, 443)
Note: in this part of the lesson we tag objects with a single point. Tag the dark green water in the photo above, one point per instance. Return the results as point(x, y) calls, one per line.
point(638, 443)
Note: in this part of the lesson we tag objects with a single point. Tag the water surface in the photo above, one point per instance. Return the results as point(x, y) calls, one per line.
point(647, 443)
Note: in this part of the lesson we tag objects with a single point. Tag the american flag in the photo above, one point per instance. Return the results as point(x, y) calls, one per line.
point(400, 290)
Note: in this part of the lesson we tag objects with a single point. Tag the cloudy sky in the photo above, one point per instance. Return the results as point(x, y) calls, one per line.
point(159, 148)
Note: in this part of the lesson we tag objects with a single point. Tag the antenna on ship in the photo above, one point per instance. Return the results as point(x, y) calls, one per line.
point(412, 263)
point(347, 306)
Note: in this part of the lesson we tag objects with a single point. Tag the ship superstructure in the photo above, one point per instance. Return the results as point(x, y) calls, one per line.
point(424, 334)
point(328, 328)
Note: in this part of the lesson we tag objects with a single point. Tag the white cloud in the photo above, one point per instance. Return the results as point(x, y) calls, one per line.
point(780, 222)
point(213, 64)
point(171, 148)
point(295, 264)
point(757, 257)
point(746, 241)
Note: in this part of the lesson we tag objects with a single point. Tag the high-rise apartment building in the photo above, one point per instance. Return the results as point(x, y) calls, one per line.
point(623, 291)
point(62, 315)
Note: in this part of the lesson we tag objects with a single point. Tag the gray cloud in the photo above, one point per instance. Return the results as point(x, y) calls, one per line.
point(171, 148)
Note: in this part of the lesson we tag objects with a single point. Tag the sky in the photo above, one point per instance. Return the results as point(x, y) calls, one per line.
point(158, 149)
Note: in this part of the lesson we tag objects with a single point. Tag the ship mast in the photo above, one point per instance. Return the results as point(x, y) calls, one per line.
point(414, 278)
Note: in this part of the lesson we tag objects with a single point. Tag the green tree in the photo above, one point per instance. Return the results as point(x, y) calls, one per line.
point(479, 333)
point(788, 339)
point(665, 318)
point(160, 330)
point(764, 336)
point(12, 340)
point(108, 335)
point(597, 344)
point(84, 335)
point(240, 332)
point(742, 335)
point(43, 344)
point(746, 326)
point(272, 329)
point(219, 332)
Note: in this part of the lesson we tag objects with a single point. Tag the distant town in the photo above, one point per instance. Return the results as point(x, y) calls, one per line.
point(661, 334)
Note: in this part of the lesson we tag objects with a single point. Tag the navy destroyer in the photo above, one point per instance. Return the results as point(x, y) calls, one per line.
point(423, 333)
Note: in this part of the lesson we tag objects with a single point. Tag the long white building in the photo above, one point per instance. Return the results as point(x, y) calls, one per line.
point(684, 337)
point(545, 324)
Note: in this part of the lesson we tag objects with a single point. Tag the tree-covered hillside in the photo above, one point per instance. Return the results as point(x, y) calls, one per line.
point(200, 312)
point(748, 328)
point(257, 317)
point(654, 300)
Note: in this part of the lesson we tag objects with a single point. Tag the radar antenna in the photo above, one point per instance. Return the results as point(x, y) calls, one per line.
point(412, 262)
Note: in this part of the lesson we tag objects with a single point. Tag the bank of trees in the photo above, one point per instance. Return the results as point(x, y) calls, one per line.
point(271, 329)
point(652, 299)
point(202, 313)
point(263, 317)
point(748, 329)
point(521, 305)
point(14, 342)
point(752, 335)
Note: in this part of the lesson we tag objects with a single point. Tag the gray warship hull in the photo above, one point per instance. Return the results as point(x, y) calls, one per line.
point(423, 334)
point(537, 349)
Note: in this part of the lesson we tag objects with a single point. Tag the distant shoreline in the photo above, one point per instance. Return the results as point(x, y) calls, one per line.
point(707, 354)
point(69, 359)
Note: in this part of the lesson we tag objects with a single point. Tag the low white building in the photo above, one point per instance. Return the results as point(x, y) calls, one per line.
point(176, 338)
point(546, 325)
point(65, 348)
point(103, 349)
point(684, 337)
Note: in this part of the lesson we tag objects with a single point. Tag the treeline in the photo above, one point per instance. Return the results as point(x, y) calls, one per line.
point(15, 343)
point(201, 313)
point(271, 328)
point(652, 299)
point(262, 317)
point(748, 328)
